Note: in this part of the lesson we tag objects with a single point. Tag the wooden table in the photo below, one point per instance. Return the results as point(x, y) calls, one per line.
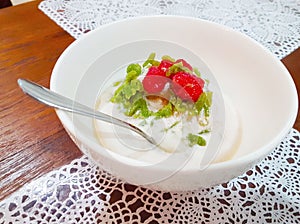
point(33, 142)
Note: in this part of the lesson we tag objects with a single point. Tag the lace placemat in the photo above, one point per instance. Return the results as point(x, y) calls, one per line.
point(82, 193)
point(273, 23)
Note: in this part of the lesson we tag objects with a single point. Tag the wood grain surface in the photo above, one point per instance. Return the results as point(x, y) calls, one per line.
point(292, 63)
point(32, 140)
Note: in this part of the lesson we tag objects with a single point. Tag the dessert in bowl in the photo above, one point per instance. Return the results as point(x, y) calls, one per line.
point(254, 101)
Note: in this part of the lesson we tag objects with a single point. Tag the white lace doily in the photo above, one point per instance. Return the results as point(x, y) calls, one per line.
point(82, 193)
point(273, 23)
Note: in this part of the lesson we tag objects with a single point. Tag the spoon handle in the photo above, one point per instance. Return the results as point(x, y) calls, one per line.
point(58, 101)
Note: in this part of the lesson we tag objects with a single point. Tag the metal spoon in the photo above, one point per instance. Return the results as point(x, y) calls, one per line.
point(58, 101)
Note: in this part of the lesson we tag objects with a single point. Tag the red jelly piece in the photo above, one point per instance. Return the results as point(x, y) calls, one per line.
point(165, 65)
point(187, 86)
point(185, 64)
point(154, 81)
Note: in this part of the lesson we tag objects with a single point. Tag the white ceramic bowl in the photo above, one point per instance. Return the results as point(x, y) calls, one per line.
point(255, 81)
